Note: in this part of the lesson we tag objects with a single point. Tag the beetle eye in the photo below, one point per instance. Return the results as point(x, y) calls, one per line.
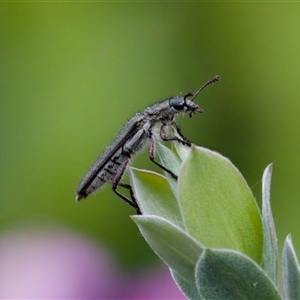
point(178, 104)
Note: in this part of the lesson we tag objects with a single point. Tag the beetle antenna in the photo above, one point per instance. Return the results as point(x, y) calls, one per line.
point(215, 79)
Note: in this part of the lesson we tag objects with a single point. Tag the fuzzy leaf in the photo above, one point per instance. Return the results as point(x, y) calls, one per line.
point(154, 196)
point(172, 161)
point(168, 158)
point(182, 151)
point(228, 274)
point(188, 288)
point(290, 270)
point(270, 248)
point(175, 247)
point(217, 205)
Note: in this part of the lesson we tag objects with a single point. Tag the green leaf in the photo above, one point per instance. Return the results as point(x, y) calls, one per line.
point(188, 288)
point(182, 150)
point(217, 205)
point(170, 160)
point(228, 274)
point(270, 248)
point(290, 270)
point(154, 196)
point(175, 247)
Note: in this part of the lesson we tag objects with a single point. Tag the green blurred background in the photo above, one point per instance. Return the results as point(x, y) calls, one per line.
point(71, 74)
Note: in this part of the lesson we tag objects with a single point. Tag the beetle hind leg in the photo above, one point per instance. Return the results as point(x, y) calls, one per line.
point(151, 153)
point(116, 183)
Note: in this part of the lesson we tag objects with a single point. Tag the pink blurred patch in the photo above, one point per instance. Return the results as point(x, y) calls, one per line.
point(59, 264)
point(53, 264)
point(155, 284)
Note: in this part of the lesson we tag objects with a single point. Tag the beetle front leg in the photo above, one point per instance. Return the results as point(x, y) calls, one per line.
point(183, 140)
